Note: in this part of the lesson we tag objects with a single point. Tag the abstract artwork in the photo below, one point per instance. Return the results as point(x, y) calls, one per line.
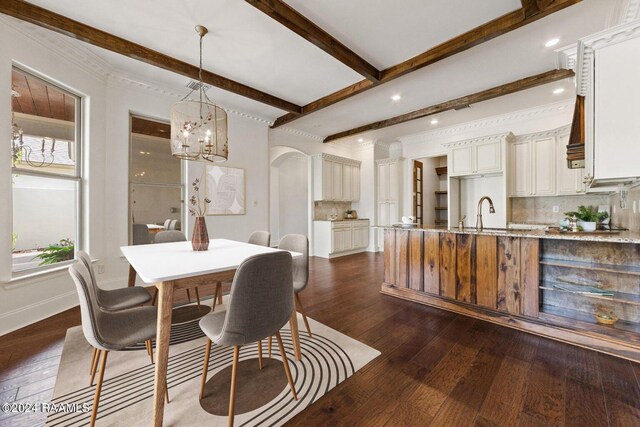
point(225, 187)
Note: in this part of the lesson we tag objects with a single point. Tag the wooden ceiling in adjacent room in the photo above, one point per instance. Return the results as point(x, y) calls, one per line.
point(37, 98)
point(148, 127)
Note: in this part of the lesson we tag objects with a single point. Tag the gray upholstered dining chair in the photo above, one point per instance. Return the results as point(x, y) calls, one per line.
point(262, 238)
point(168, 237)
point(260, 304)
point(109, 330)
point(297, 243)
point(140, 234)
point(112, 300)
point(167, 223)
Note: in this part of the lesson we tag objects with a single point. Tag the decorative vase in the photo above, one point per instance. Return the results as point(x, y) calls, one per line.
point(200, 239)
point(588, 225)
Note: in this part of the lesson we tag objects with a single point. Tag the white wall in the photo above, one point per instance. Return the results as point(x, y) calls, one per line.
point(108, 102)
point(293, 210)
point(249, 150)
point(25, 301)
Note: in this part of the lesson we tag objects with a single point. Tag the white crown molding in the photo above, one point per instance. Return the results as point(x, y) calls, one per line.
point(625, 11)
point(390, 160)
point(299, 133)
point(588, 45)
point(489, 122)
point(567, 56)
point(338, 159)
point(562, 130)
point(506, 136)
point(63, 46)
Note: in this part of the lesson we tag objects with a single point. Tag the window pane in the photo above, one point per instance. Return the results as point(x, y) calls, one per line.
point(44, 220)
point(44, 125)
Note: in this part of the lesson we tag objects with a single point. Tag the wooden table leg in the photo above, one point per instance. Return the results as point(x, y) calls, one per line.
point(132, 276)
point(165, 303)
point(295, 336)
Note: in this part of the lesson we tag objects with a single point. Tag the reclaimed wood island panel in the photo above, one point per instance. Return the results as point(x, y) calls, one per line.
point(519, 279)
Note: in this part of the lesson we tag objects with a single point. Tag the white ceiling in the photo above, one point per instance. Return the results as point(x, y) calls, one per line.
point(247, 46)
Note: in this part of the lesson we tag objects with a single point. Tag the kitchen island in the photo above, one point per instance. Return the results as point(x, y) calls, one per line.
point(547, 284)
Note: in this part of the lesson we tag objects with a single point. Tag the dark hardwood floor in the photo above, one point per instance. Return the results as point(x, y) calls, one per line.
point(436, 368)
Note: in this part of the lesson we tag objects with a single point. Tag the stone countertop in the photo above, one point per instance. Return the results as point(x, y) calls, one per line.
point(615, 237)
point(344, 219)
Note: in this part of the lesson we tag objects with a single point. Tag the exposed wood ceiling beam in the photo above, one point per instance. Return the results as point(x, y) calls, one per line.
point(485, 95)
point(61, 24)
point(297, 23)
point(474, 37)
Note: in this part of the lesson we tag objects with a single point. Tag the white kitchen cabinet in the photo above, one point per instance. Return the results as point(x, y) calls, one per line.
point(461, 161)
point(538, 166)
point(335, 178)
point(520, 170)
point(488, 157)
point(478, 156)
point(607, 74)
point(389, 189)
point(568, 181)
point(543, 151)
point(338, 238)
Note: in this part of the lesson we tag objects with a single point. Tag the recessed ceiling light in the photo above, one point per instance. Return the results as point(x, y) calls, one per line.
point(434, 121)
point(396, 98)
point(552, 42)
point(360, 140)
point(558, 91)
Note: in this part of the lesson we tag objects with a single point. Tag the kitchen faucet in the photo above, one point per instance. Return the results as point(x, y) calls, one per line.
point(479, 217)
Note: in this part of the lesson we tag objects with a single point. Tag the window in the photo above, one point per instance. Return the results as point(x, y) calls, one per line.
point(46, 175)
point(155, 181)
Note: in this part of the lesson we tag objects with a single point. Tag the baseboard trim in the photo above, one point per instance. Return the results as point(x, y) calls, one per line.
point(37, 311)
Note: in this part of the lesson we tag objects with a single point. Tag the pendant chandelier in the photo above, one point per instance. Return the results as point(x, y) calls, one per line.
point(199, 128)
point(23, 153)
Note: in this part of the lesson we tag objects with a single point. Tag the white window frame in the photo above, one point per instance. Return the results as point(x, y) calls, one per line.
point(77, 177)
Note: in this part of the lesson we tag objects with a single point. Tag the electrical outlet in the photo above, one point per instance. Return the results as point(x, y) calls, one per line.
point(99, 268)
point(556, 208)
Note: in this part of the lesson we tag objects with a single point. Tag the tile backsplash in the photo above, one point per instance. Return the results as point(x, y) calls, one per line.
point(322, 210)
point(626, 217)
point(539, 210)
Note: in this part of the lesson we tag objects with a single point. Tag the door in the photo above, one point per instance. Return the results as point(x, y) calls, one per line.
point(336, 178)
point(520, 169)
point(327, 181)
point(383, 182)
point(544, 166)
point(347, 184)
point(417, 190)
point(461, 161)
point(569, 181)
point(487, 157)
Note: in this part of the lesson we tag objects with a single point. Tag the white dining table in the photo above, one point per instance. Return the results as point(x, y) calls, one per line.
point(171, 266)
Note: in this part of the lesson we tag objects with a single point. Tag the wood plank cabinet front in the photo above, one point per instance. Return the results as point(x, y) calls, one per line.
point(496, 272)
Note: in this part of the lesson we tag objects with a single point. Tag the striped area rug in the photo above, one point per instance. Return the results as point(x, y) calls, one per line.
point(329, 358)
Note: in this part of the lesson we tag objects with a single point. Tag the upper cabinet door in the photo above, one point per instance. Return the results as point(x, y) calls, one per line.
point(568, 181)
point(488, 157)
point(355, 183)
point(347, 183)
point(544, 166)
point(462, 161)
point(617, 111)
point(336, 177)
point(327, 179)
point(383, 182)
point(520, 159)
